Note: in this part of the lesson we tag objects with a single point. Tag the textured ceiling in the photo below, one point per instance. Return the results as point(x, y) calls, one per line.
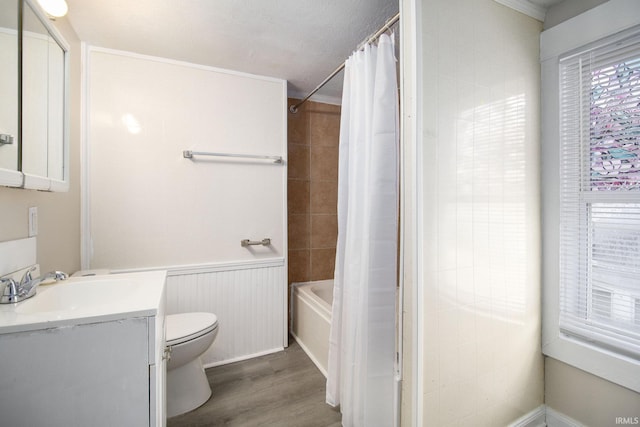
point(301, 41)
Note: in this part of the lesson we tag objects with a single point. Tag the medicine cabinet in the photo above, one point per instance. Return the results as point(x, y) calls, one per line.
point(34, 111)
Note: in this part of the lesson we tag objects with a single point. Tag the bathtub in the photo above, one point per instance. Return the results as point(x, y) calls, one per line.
point(311, 319)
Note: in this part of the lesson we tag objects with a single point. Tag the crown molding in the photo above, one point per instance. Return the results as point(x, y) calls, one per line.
point(526, 7)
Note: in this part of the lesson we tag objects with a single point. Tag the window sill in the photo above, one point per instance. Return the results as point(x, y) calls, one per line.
point(605, 364)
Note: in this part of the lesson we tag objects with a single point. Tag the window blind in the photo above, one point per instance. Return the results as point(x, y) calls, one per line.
point(600, 195)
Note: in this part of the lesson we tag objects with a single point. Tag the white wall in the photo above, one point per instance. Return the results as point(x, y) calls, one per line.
point(479, 192)
point(408, 159)
point(587, 398)
point(149, 206)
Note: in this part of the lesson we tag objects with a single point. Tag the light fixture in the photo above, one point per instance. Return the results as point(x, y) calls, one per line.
point(54, 8)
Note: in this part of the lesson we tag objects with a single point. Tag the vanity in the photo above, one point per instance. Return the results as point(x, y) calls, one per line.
point(86, 351)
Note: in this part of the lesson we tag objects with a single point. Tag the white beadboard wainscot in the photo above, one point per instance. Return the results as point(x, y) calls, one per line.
point(249, 299)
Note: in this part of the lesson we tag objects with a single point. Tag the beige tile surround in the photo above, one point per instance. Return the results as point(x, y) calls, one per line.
point(313, 135)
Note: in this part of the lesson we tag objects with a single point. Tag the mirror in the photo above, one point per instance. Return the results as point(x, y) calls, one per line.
point(9, 143)
point(44, 134)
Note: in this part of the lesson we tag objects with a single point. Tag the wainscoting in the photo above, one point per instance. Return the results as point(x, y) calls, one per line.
point(249, 298)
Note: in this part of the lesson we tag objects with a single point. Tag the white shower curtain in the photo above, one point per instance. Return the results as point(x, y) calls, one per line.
point(362, 340)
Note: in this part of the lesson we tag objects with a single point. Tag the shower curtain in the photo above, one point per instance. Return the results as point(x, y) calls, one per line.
point(362, 340)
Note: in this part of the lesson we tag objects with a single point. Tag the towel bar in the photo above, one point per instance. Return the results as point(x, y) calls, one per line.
point(188, 154)
point(247, 242)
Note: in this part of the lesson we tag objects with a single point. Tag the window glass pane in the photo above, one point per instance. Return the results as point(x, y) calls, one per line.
point(615, 125)
point(615, 241)
point(615, 262)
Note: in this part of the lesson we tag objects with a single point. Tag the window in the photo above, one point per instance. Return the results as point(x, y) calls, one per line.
point(591, 192)
point(599, 126)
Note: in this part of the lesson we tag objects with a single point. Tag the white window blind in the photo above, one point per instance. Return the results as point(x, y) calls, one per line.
point(600, 195)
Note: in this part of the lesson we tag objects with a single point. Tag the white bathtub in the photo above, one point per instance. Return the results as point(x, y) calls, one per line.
point(311, 319)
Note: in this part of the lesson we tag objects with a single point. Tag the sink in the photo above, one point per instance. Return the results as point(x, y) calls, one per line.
point(83, 346)
point(80, 293)
point(84, 300)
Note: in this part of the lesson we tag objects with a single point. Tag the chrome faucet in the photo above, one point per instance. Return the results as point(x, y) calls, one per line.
point(16, 292)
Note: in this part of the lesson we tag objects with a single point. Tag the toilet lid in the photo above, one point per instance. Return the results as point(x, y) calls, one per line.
point(187, 326)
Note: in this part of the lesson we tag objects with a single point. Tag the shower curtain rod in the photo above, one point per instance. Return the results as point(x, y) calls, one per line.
point(294, 108)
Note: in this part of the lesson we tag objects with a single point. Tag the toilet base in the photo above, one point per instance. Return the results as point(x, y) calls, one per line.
point(187, 388)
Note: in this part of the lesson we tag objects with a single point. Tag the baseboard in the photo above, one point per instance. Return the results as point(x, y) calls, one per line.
point(535, 418)
point(241, 358)
point(545, 416)
point(557, 419)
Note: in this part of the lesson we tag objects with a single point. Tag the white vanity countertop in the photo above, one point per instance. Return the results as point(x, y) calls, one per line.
point(83, 300)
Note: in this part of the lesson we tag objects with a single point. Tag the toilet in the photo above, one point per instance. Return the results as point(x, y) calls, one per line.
point(188, 336)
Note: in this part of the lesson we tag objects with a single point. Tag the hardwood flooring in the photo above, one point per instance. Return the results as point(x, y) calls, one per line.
point(281, 389)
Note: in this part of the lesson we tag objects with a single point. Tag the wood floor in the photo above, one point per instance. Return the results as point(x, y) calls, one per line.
point(279, 389)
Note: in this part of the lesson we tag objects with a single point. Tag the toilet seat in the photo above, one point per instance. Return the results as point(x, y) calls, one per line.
point(184, 327)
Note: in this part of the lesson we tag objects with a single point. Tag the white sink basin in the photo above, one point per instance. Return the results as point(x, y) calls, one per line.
point(74, 294)
point(80, 300)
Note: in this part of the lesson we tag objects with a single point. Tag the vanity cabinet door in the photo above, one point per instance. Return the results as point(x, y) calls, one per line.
point(83, 375)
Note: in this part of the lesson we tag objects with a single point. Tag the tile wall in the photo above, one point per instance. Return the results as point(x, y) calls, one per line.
point(313, 135)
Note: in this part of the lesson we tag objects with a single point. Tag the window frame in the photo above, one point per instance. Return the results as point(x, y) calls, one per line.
point(586, 212)
point(592, 27)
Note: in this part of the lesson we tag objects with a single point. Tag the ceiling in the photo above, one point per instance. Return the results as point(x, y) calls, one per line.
point(301, 41)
